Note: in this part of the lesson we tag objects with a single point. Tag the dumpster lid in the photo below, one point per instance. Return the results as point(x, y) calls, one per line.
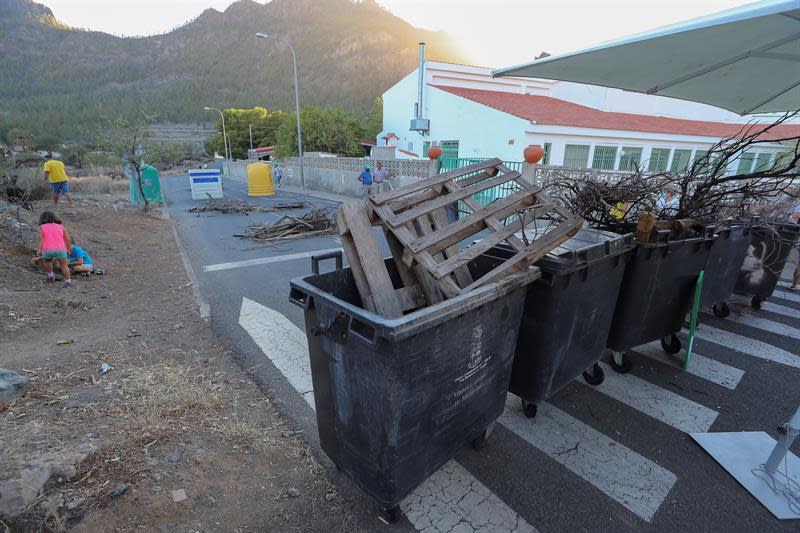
point(586, 247)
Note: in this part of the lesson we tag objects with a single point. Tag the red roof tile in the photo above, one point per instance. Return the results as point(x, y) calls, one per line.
point(552, 111)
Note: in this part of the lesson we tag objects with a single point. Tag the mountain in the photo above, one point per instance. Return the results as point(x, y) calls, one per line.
point(55, 80)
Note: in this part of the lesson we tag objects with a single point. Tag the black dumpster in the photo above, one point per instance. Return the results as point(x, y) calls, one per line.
point(397, 398)
point(765, 260)
point(723, 266)
point(568, 313)
point(656, 292)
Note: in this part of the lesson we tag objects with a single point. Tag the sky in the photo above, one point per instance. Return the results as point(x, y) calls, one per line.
point(493, 33)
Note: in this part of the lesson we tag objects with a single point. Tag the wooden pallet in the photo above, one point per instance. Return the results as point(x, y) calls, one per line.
point(416, 216)
point(372, 279)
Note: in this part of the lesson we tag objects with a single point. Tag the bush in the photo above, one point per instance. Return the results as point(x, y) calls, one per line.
point(98, 185)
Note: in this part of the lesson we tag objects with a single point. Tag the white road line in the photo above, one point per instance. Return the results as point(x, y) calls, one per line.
point(747, 345)
point(778, 309)
point(622, 474)
point(450, 500)
point(453, 496)
point(786, 295)
point(663, 405)
point(766, 325)
point(700, 366)
point(284, 343)
point(266, 260)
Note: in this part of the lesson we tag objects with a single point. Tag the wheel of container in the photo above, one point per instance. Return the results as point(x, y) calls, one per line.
point(392, 515)
point(529, 408)
point(722, 309)
point(756, 302)
point(671, 344)
point(625, 367)
point(481, 440)
point(596, 377)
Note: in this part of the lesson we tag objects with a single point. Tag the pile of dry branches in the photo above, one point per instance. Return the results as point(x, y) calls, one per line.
point(317, 221)
point(234, 205)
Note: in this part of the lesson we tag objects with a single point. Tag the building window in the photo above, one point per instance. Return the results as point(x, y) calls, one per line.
point(746, 163)
point(701, 163)
point(630, 159)
point(449, 148)
point(546, 157)
point(762, 162)
point(425, 147)
point(659, 158)
point(680, 160)
point(576, 155)
point(604, 157)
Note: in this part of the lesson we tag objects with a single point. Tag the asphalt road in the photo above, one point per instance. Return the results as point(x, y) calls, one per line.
point(617, 457)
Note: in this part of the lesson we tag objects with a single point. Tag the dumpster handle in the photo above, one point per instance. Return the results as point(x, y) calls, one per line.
point(300, 298)
point(361, 330)
point(315, 259)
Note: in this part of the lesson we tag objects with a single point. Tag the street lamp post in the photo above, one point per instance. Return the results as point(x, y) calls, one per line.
point(224, 133)
point(296, 102)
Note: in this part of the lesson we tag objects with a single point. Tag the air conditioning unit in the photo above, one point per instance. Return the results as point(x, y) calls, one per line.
point(420, 124)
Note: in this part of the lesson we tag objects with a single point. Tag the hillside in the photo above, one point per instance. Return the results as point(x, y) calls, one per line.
point(56, 79)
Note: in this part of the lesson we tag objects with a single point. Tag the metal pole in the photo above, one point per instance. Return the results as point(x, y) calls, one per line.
point(297, 108)
point(250, 126)
point(784, 443)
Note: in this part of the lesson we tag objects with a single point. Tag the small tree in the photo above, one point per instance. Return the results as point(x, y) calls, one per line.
point(126, 138)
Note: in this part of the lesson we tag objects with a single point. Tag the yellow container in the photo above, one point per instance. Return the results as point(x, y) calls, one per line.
point(259, 180)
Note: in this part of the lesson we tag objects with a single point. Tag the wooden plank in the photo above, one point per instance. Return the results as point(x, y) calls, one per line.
point(472, 223)
point(456, 193)
point(354, 215)
point(470, 254)
point(526, 257)
point(410, 298)
point(492, 222)
point(437, 179)
point(462, 275)
point(413, 275)
point(404, 203)
point(360, 278)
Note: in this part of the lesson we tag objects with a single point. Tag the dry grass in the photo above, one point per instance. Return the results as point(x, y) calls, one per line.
point(98, 185)
point(15, 441)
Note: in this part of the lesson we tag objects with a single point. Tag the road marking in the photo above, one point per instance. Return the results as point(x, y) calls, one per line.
point(747, 346)
point(622, 474)
point(267, 260)
point(700, 366)
point(663, 405)
point(451, 496)
point(786, 295)
point(778, 309)
point(766, 325)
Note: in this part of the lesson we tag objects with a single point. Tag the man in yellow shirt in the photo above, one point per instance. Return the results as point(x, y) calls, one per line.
point(56, 176)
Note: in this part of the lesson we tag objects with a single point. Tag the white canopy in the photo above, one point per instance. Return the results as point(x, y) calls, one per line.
point(746, 60)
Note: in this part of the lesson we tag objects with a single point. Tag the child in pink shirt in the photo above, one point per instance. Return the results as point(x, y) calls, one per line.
point(54, 245)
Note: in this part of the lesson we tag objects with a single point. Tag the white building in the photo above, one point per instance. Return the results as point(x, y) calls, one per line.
point(472, 115)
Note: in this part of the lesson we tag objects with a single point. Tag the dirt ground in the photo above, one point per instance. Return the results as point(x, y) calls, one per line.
point(173, 415)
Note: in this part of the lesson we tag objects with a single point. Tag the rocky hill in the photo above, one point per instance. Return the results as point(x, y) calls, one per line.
point(55, 79)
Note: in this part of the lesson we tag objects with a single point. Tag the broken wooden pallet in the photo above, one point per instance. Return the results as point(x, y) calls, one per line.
point(416, 215)
point(372, 279)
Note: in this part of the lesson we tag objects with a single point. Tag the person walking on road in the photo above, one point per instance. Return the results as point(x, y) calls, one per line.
point(55, 175)
point(277, 175)
point(379, 177)
point(366, 182)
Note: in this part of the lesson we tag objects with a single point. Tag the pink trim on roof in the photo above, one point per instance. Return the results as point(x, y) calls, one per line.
point(407, 152)
point(556, 112)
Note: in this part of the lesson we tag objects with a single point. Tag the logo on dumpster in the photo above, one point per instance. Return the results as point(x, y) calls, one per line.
point(477, 360)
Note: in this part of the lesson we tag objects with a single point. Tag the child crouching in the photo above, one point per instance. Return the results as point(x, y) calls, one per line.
point(54, 243)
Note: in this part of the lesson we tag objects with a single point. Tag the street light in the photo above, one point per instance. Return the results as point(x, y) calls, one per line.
point(224, 134)
point(296, 102)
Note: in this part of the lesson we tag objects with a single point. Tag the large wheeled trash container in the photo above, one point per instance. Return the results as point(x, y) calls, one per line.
point(723, 266)
point(397, 398)
point(568, 314)
point(765, 260)
point(656, 293)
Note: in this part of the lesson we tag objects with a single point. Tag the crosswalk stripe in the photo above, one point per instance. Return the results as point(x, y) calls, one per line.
point(622, 474)
point(451, 497)
point(786, 295)
point(700, 366)
point(663, 405)
point(766, 325)
point(778, 309)
point(267, 260)
point(747, 345)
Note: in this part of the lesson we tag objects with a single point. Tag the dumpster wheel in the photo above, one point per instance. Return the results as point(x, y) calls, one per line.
point(625, 364)
point(721, 309)
point(671, 344)
point(482, 440)
point(756, 302)
point(596, 377)
point(529, 408)
point(392, 515)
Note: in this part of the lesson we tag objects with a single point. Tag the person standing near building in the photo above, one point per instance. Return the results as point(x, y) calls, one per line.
point(366, 182)
point(55, 175)
point(379, 177)
point(277, 175)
